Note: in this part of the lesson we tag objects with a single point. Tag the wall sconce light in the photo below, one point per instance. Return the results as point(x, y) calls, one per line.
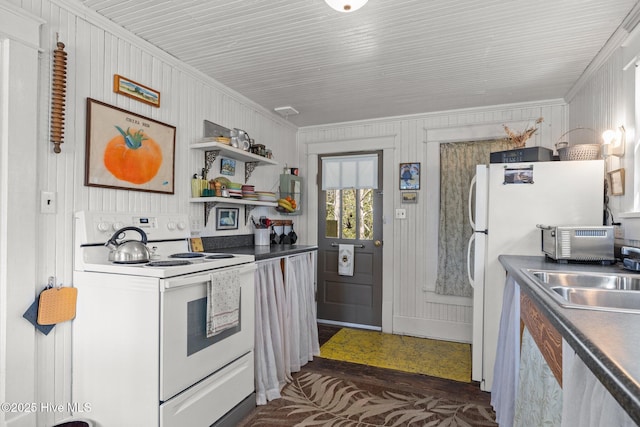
point(614, 142)
point(346, 5)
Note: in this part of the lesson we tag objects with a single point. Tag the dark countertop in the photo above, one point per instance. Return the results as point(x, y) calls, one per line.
point(272, 251)
point(607, 342)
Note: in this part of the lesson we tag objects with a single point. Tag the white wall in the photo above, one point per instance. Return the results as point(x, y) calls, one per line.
point(19, 39)
point(606, 100)
point(410, 305)
point(97, 50)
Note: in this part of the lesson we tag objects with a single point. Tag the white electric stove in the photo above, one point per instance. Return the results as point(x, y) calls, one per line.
point(141, 355)
point(168, 239)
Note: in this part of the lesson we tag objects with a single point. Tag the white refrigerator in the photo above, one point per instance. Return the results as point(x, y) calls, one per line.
point(506, 202)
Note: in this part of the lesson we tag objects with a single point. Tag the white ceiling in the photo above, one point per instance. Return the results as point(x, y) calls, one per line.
point(390, 58)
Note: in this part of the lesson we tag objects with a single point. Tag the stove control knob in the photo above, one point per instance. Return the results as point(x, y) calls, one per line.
point(103, 226)
point(182, 226)
point(171, 225)
point(117, 226)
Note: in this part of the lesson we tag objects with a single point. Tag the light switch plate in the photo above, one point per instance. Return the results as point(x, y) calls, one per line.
point(47, 202)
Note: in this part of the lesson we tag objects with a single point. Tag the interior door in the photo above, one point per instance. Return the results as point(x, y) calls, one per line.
point(350, 216)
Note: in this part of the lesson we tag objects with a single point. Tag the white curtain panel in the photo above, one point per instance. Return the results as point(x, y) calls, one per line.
point(270, 372)
point(586, 401)
point(301, 302)
point(507, 363)
point(286, 328)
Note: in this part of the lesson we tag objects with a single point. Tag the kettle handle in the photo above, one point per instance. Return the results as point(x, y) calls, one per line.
point(117, 235)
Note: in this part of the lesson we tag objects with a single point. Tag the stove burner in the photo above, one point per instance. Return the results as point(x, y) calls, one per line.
point(187, 255)
point(168, 263)
point(220, 256)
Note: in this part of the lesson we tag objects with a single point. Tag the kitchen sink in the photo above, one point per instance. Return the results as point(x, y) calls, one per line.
point(594, 291)
point(589, 280)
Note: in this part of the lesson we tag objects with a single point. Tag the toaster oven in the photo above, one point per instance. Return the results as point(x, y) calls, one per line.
point(578, 243)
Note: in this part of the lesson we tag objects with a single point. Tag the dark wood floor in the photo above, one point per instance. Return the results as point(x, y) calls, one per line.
point(325, 332)
point(463, 391)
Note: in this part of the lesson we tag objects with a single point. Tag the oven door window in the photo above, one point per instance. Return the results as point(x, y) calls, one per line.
point(187, 355)
point(197, 327)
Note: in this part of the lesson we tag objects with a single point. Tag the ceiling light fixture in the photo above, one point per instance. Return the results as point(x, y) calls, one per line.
point(346, 5)
point(286, 111)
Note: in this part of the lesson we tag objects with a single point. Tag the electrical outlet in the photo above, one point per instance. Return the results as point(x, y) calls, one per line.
point(401, 214)
point(47, 202)
point(618, 232)
point(196, 224)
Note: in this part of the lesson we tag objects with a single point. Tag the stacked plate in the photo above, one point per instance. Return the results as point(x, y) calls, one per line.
point(266, 196)
point(221, 139)
point(249, 193)
point(235, 190)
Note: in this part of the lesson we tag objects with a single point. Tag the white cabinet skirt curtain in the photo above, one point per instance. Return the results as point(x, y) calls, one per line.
point(507, 363)
point(286, 329)
point(300, 291)
point(586, 401)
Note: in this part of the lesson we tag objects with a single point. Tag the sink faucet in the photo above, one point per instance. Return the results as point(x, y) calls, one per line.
point(628, 250)
point(630, 263)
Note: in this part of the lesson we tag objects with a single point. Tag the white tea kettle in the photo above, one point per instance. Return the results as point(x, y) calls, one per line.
point(128, 251)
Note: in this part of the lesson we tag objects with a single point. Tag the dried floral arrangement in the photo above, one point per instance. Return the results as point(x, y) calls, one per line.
point(518, 140)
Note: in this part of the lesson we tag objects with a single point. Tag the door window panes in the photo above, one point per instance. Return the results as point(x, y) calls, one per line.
point(349, 214)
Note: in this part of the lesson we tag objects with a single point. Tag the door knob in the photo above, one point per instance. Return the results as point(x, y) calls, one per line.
point(377, 243)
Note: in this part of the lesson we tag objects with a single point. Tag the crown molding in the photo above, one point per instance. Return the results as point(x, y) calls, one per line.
point(83, 12)
point(617, 40)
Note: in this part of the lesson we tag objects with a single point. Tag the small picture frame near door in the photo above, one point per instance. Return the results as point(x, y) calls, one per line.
point(409, 176)
point(409, 197)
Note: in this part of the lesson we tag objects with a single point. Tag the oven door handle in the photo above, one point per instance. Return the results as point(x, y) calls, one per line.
point(186, 281)
point(204, 278)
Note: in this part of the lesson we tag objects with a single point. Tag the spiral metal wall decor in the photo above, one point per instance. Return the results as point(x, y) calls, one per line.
point(58, 91)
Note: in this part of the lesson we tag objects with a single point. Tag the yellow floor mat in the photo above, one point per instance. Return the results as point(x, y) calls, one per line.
point(442, 359)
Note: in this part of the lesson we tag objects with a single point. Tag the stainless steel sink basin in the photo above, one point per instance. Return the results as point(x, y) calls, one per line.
point(589, 280)
point(618, 300)
point(594, 291)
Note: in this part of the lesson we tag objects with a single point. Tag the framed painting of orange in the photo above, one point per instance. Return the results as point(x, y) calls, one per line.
point(128, 151)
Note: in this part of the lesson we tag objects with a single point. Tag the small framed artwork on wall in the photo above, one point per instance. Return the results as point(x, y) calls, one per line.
point(227, 218)
point(128, 87)
point(227, 167)
point(617, 182)
point(409, 197)
point(409, 176)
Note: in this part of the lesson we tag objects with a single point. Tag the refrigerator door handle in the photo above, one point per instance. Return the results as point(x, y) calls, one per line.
point(472, 239)
point(471, 187)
